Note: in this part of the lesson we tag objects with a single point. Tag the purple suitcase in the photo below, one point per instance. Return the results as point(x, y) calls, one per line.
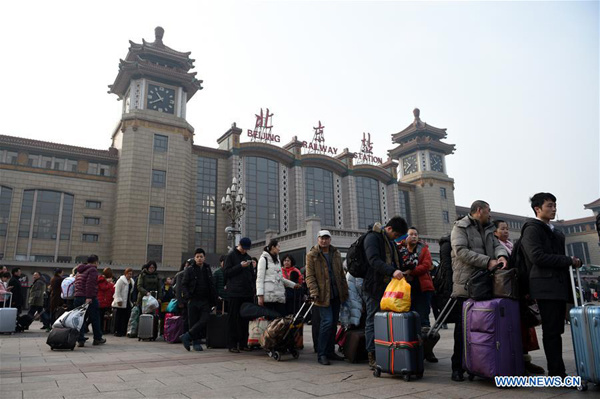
point(173, 328)
point(492, 338)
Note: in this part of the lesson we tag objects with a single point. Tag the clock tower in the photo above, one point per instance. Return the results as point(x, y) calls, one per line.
point(155, 176)
point(421, 155)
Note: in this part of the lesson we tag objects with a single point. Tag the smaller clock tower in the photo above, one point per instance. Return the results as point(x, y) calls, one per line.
point(421, 155)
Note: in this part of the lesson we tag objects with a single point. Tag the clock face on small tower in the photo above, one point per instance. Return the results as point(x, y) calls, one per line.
point(409, 164)
point(161, 99)
point(437, 163)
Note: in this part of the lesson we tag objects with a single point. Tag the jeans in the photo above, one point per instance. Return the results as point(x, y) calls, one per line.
point(92, 316)
point(553, 326)
point(330, 316)
point(420, 302)
point(198, 312)
point(372, 308)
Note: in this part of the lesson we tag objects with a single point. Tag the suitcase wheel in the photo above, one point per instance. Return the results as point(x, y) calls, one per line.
point(295, 354)
point(583, 387)
point(277, 356)
point(471, 377)
point(406, 377)
point(377, 372)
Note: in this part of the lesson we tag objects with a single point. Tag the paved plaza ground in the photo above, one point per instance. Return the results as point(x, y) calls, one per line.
point(126, 368)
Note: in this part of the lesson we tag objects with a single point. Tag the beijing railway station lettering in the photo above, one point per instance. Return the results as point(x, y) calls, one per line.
point(262, 128)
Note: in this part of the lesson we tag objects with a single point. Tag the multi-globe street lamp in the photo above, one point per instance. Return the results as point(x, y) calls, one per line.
point(234, 204)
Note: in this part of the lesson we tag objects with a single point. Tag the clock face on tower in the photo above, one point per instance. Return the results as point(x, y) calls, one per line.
point(409, 164)
point(437, 163)
point(161, 99)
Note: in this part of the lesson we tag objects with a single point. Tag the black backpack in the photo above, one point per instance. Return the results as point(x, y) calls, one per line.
point(517, 261)
point(356, 259)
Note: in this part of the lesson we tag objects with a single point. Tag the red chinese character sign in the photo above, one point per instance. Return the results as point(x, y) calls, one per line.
point(365, 156)
point(262, 128)
point(317, 145)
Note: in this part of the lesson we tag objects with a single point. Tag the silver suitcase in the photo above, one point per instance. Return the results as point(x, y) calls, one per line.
point(148, 327)
point(8, 316)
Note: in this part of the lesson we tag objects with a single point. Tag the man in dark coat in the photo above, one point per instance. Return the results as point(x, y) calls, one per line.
point(384, 264)
point(239, 275)
point(17, 292)
point(198, 290)
point(549, 279)
point(86, 291)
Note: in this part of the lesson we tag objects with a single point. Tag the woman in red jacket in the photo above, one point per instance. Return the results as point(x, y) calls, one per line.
point(106, 290)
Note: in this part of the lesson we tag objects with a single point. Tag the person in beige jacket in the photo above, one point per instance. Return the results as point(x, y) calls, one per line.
point(474, 247)
point(327, 284)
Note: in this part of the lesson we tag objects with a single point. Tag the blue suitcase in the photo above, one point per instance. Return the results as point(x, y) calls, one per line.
point(585, 330)
point(398, 344)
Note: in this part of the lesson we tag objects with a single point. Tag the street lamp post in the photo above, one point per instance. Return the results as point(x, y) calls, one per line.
point(234, 204)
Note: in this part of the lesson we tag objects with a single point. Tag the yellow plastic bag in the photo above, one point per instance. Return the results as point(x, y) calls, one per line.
point(396, 297)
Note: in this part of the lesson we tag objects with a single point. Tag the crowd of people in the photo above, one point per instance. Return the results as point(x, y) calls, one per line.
point(392, 251)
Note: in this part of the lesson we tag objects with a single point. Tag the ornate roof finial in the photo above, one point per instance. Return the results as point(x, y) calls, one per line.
point(417, 113)
point(159, 32)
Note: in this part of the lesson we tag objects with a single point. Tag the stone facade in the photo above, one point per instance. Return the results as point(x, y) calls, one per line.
point(139, 218)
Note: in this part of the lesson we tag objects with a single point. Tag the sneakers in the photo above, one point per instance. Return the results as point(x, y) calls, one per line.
point(324, 360)
point(198, 347)
point(100, 341)
point(186, 340)
point(372, 362)
point(234, 350)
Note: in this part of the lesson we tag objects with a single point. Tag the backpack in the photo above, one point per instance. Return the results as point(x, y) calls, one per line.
point(516, 260)
point(356, 259)
point(67, 288)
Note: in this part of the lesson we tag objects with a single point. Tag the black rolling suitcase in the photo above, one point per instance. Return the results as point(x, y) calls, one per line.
point(62, 338)
point(216, 330)
point(398, 344)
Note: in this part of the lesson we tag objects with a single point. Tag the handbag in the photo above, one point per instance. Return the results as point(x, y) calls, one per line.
point(480, 286)
point(172, 306)
point(530, 315)
point(396, 297)
point(506, 284)
point(73, 319)
point(256, 328)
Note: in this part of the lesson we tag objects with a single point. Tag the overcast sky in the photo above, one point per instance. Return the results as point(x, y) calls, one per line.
point(516, 84)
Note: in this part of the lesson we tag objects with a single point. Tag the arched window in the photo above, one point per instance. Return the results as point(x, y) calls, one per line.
point(367, 199)
point(51, 212)
point(319, 195)
point(262, 196)
point(5, 200)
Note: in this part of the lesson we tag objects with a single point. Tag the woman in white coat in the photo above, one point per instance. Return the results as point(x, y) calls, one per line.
point(122, 302)
point(270, 284)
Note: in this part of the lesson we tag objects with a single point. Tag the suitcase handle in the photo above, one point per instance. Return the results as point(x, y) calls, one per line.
point(573, 286)
point(10, 299)
point(441, 319)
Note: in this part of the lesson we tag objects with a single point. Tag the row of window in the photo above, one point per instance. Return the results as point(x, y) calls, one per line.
point(580, 228)
point(54, 163)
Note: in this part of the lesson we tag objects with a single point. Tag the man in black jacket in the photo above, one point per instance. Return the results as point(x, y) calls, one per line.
point(197, 288)
point(15, 287)
point(384, 264)
point(549, 279)
point(239, 281)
